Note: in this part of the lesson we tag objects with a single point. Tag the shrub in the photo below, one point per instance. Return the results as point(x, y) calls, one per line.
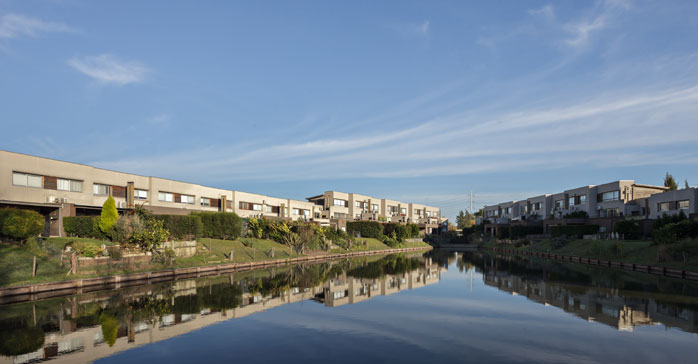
point(152, 235)
point(125, 227)
point(365, 229)
point(630, 229)
point(115, 252)
point(413, 230)
point(21, 340)
point(20, 224)
point(399, 230)
point(573, 231)
point(220, 225)
point(109, 216)
point(668, 219)
point(671, 233)
point(521, 231)
point(558, 242)
point(503, 232)
point(181, 227)
point(576, 215)
point(83, 227)
point(86, 249)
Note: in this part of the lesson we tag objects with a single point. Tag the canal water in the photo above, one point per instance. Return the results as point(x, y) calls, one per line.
point(439, 306)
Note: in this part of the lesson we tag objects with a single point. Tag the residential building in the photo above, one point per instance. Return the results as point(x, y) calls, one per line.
point(57, 189)
point(673, 203)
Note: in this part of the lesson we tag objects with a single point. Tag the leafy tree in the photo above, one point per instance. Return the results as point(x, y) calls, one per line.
point(464, 220)
point(151, 236)
point(109, 216)
point(686, 185)
point(110, 327)
point(670, 182)
point(20, 224)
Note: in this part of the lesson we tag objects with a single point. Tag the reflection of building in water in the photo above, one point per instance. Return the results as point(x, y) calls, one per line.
point(70, 343)
point(602, 305)
point(347, 289)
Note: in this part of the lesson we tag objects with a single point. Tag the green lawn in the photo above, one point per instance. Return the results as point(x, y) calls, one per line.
point(16, 260)
point(628, 251)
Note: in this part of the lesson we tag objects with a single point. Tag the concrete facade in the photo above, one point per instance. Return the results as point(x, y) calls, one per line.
point(673, 203)
point(57, 189)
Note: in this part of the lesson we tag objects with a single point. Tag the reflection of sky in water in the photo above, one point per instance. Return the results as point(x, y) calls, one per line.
point(446, 321)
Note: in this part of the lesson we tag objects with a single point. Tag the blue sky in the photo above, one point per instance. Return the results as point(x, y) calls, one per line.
point(416, 101)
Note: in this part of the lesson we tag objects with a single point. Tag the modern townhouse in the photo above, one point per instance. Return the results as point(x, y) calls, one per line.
point(673, 203)
point(608, 201)
point(57, 189)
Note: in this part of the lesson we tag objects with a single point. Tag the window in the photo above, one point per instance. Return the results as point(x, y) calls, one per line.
point(187, 199)
point(100, 189)
point(683, 205)
point(296, 212)
point(140, 194)
point(374, 207)
point(69, 185)
point(26, 180)
point(205, 201)
point(306, 212)
point(537, 206)
point(428, 213)
point(256, 207)
point(338, 202)
point(357, 204)
point(664, 206)
point(559, 204)
point(571, 201)
point(610, 196)
point(403, 211)
point(582, 199)
point(165, 197)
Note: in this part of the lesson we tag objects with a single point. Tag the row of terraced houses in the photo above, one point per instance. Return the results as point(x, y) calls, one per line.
point(57, 189)
point(603, 204)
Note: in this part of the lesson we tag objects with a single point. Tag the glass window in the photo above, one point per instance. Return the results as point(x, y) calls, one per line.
point(610, 196)
point(571, 201)
point(165, 197)
point(33, 181)
point(338, 202)
point(582, 199)
point(559, 203)
point(296, 212)
point(63, 184)
point(187, 199)
point(140, 194)
point(306, 212)
point(205, 201)
point(357, 204)
point(683, 205)
point(100, 189)
point(374, 207)
point(19, 179)
point(256, 207)
point(75, 186)
point(403, 211)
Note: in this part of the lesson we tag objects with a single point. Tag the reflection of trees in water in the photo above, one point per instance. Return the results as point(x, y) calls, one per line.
point(392, 264)
point(24, 326)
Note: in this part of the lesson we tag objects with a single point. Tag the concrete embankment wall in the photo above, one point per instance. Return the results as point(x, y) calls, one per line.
point(652, 269)
point(78, 286)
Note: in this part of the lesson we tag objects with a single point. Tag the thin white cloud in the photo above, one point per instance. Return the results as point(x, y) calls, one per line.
point(580, 31)
point(546, 11)
point(160, 120)
point(17, 25)
point(107, 69)
point(423, 28)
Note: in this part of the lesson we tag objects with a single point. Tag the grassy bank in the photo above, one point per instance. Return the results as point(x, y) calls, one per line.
point(627, 251)
point(16, 260)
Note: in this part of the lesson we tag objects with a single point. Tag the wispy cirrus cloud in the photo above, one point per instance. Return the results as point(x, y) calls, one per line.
point(17, 25)
point(580, 31)
point(108, 69)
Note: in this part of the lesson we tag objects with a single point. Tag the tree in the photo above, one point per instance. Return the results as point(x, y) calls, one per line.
point(20, 224)
point(464, 220)
point(686, 185)
point(109, 216)
point(670, 182)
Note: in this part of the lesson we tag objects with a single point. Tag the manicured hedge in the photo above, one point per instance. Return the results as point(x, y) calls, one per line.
point(365, 229)
point(220, 225)
point(521, 231)
point(181, 227)
point(83, 227)
point(20, 224)
point(630, 229)
point(573, 230)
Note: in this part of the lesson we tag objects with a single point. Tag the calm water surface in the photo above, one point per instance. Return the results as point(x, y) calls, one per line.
point(443, 306)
